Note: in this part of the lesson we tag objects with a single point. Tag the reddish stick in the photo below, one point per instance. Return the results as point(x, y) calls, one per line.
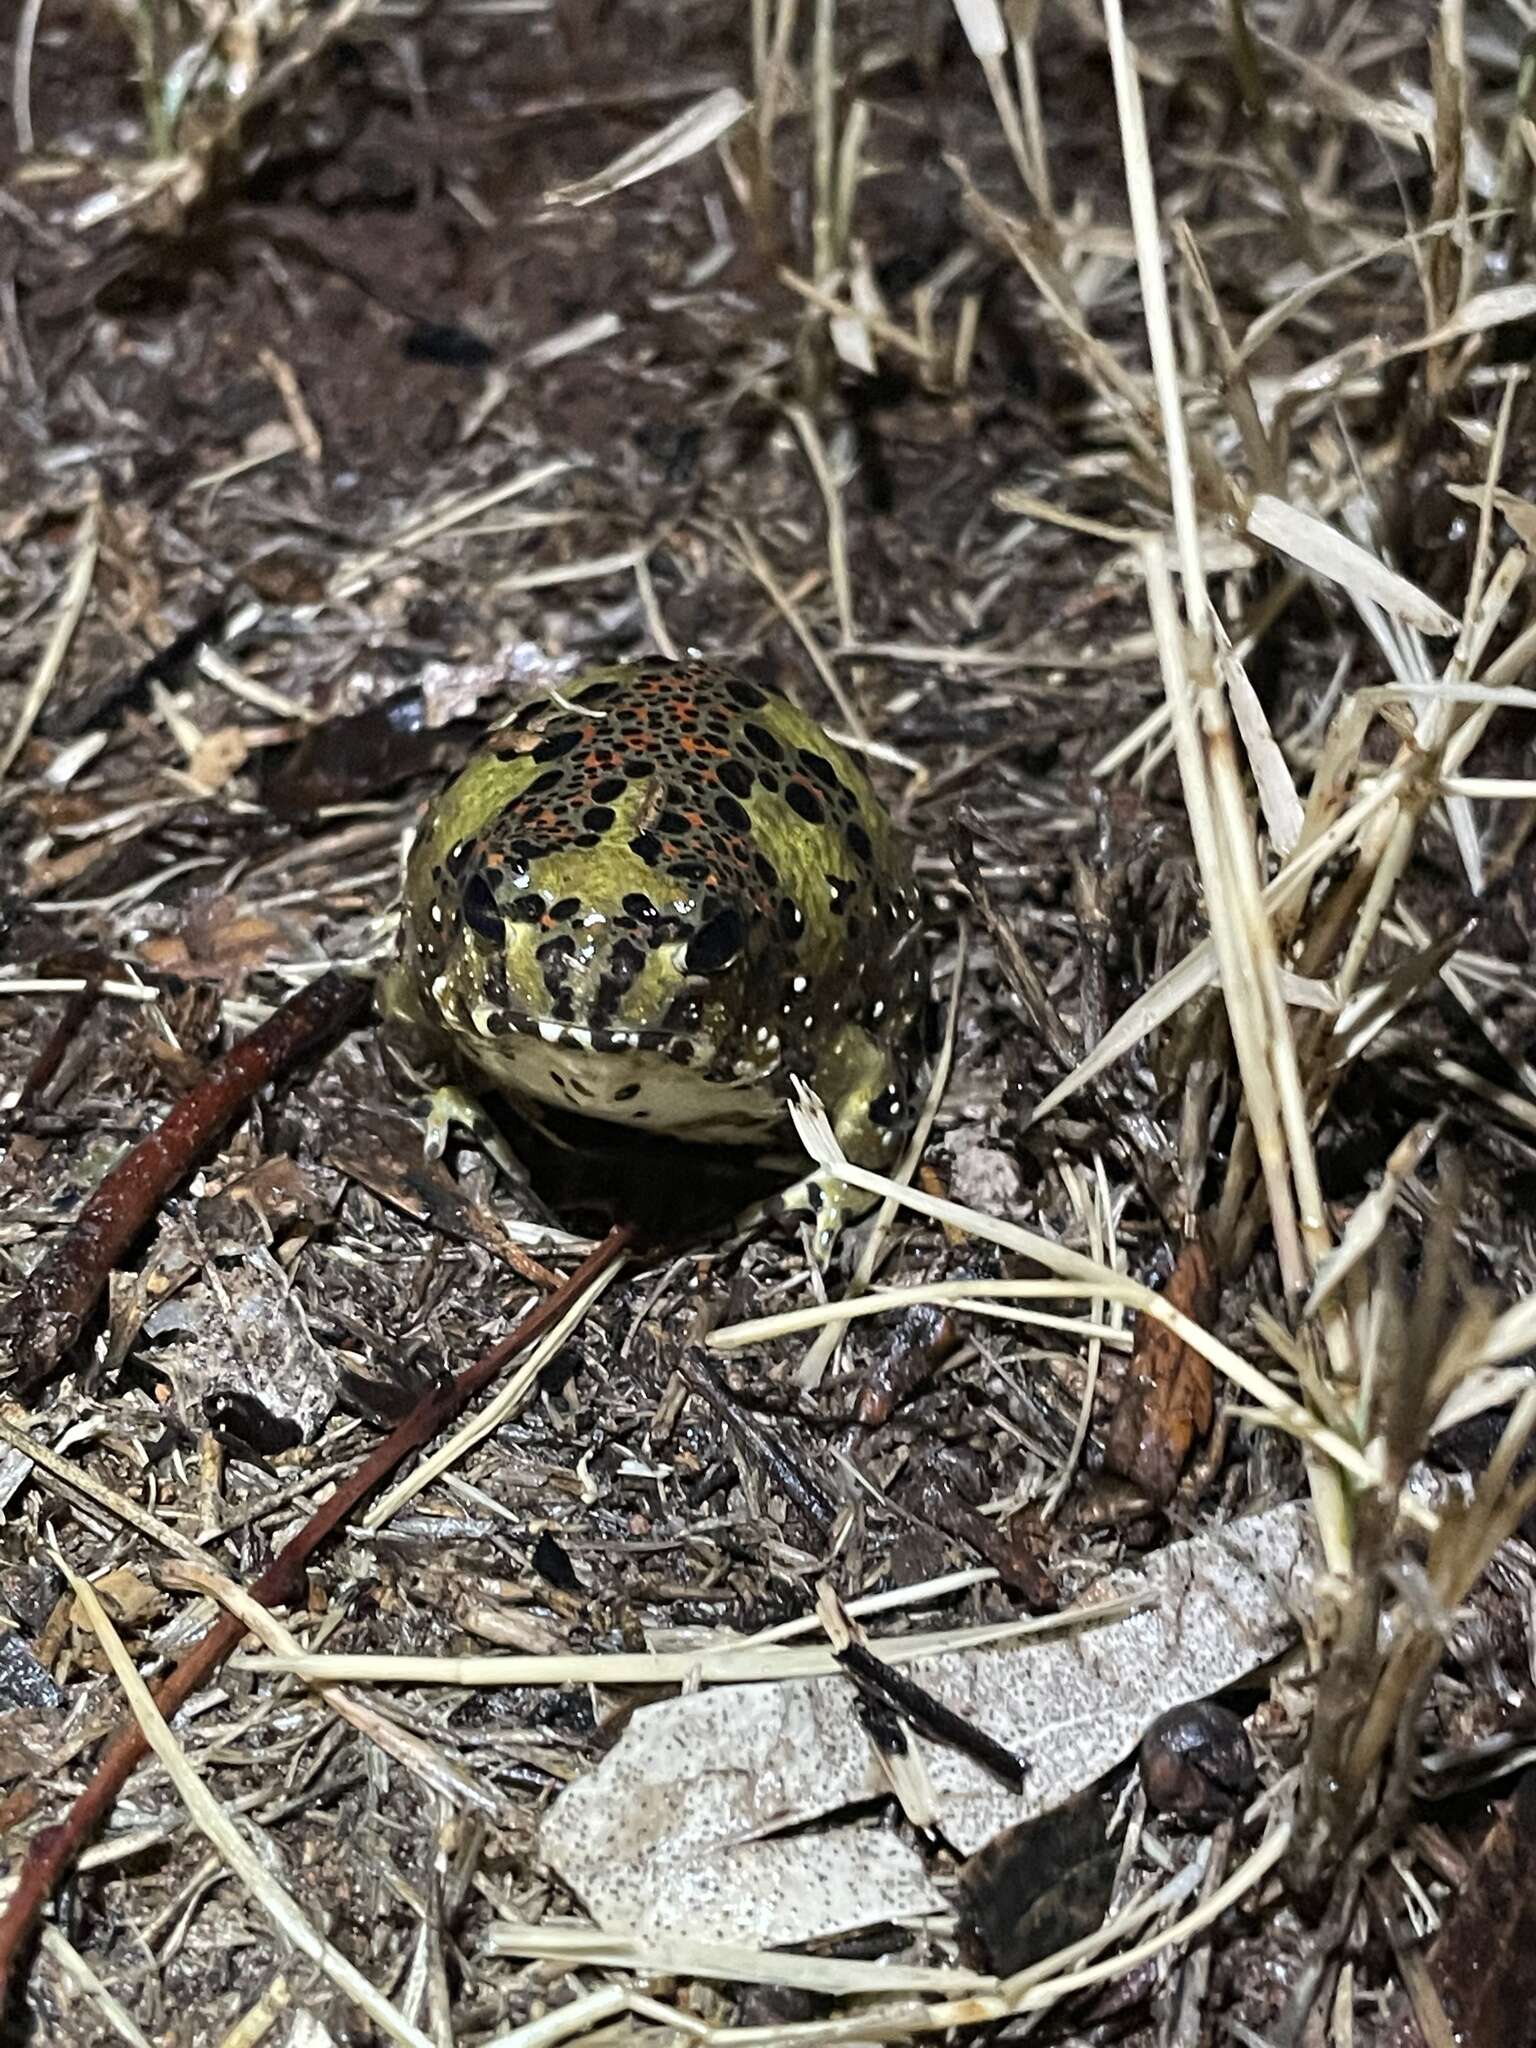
point(46, 1318)
point(54, 1849)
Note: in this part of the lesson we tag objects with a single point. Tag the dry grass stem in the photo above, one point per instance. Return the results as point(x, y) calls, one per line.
point(813, 1366)
point(504, 1403)
point(749, 1661)
point(72, 602)
point(278, 1904)
point(697, 128)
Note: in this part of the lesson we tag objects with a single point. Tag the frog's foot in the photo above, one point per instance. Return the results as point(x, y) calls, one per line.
point(820, 1195)
point(451, 1105)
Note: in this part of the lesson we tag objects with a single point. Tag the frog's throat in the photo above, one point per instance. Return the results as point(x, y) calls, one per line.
point(666, 1081)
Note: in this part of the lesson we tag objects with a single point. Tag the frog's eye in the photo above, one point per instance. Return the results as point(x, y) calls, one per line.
point(716, 943)
point(480, 911)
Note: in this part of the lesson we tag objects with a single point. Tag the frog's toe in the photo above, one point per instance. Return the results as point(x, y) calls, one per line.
point(830, 1201)
point(451, 1105)
point(442, 1114)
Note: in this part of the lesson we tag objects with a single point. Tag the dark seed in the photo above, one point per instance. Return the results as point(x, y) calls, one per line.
point(1196, 1764)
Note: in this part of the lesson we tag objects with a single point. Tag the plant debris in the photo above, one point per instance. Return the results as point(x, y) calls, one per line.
point(1115, 423)
point(47, 1317)
point(1167, 1397)
point(677, 1828)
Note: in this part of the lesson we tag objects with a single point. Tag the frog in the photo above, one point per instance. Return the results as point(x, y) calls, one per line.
point(661, 895)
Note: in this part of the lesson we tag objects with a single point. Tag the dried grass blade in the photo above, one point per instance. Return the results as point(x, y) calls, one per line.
point(659, 1955)
point(1317, 546)
point(815, 1362)
point(357, 574)
point(739, 1661)
point(77, 589)
point(279, 1905)
point(1371, 1217)
point(505, 1403)
point(816, 1135)
point(1479, 314)
point(1197, 970)
point(1282, 807)
point(705, 122)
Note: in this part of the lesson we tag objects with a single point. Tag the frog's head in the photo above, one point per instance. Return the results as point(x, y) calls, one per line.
point(576, 949)
point(613, 893)
point(577, 973)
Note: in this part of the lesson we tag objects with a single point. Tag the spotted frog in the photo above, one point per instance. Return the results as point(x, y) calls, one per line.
point(659, 896)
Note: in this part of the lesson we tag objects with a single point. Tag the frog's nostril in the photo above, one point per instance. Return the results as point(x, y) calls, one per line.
point(717, 942)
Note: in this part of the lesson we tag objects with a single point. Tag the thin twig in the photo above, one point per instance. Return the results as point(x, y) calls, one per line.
point(58, 1297)
point(52, 1852)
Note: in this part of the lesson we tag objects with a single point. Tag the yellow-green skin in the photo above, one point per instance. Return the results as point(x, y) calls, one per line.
point(658, 899)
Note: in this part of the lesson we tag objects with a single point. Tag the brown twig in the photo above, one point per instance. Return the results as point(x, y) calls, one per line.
point(53, 1851)
point(46, 1318)
point(940, 1723)
point(72, 1021)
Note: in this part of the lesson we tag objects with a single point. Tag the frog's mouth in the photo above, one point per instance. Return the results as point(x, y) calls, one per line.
point(667, 1081)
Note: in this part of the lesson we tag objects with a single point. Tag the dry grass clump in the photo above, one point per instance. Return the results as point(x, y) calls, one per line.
point(204, 70)
point(1242, 490)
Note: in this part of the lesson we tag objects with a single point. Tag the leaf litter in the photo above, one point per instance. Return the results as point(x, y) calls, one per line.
point(936, 367)
point(675, 1831)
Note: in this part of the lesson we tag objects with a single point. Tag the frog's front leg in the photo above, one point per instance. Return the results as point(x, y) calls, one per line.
point(869, 1113)
point(450, 1105)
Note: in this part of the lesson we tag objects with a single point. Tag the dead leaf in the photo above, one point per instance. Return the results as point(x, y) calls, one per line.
point(388, 1162)
point(218, 757)
point(1042, 1885)
point(217, 949)
point(1167, 1398)
point(275, 1200)
point(668, 1833)
point(128, 1598)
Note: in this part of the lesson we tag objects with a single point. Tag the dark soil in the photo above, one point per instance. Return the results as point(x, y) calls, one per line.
point(376, 249)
